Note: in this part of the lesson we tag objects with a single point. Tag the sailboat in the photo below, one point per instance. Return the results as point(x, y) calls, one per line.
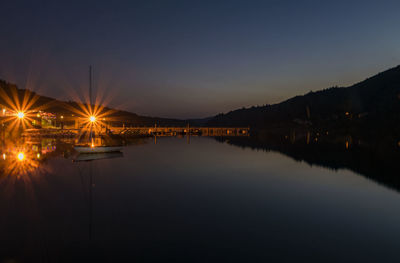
point(91, 147)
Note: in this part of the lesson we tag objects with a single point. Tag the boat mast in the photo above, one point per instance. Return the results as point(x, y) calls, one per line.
point(90, 103)
point(90, 85)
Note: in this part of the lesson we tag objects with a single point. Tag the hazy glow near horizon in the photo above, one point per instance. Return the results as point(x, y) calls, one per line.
point(196, 59)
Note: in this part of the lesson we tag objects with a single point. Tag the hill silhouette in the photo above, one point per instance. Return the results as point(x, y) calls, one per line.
point(120, 117)
point(375, 100)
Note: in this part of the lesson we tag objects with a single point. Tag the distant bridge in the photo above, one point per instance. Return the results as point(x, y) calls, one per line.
point(173, 131)
point(146, 131)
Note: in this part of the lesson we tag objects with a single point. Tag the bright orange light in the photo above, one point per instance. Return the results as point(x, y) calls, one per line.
point(23, 107)
point(20, 115)
point(91, 114)
point(21, 156)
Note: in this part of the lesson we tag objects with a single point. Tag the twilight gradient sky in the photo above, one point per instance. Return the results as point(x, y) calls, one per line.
point(195, 58)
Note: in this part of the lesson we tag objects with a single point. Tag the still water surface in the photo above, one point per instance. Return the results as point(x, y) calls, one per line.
point(205, 201)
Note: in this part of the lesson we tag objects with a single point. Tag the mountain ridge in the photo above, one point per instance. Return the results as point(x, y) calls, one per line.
point(376, 98)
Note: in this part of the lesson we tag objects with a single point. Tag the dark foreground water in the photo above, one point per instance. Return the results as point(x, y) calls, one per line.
point(205, 201)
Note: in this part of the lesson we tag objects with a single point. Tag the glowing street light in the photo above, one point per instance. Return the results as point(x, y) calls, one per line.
point(92, 119)
point(20, 115)
point(21, 156)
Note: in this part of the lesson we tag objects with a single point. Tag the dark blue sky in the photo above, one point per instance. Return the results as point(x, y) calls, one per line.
point(195, 58)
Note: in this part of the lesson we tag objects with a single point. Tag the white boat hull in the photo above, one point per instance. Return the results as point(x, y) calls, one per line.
point(98, 149)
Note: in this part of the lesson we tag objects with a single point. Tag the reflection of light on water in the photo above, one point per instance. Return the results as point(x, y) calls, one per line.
point(21, 163)
point(19, 167)
point(19, 159)
point(23, 166)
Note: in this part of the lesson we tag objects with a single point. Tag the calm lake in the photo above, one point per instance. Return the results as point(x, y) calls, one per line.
point(203, 200)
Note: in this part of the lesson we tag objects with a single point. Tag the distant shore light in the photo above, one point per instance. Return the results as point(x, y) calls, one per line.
point(92, 118)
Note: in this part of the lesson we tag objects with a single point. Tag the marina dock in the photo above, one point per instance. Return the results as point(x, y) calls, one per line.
point(144, 131)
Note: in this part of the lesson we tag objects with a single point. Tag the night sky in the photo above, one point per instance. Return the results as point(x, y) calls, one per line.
point(195, 58)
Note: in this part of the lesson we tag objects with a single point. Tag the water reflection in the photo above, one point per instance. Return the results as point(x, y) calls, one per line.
point(26, 156)
point(203, 202)
point(84, 157)
point(375, 158)
point(22, 156)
